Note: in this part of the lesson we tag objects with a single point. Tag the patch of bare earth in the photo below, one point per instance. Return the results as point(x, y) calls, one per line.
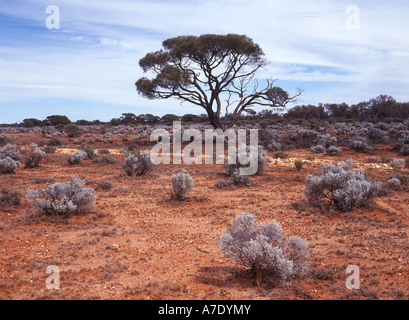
point(138, 244)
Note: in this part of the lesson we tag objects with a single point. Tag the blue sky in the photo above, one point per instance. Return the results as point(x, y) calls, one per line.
point(88, 67)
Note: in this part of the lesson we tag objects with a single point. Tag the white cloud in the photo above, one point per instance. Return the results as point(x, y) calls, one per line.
point(95, 54)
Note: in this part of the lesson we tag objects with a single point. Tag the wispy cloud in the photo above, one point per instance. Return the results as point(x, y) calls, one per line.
point(94, 56)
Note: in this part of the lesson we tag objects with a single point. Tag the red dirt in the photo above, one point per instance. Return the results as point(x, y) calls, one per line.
point(138, 244)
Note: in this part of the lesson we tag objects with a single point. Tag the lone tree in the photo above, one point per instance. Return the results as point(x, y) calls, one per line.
point(215, 72)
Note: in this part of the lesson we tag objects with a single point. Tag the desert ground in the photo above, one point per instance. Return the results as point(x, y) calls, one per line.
point(138, 243)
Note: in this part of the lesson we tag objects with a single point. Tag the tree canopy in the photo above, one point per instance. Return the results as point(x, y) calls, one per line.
point(215, 72)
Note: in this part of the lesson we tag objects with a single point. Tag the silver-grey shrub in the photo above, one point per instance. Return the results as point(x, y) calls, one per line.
point(138, 164)
point(253, 152)
point(182, 183)
point(394, 183)
point(63, 198)
point(8, 165)
point(264, 249)
point(344, 188)
point(34, 159)
point(325, 140)
point(318, 149)
point(10, 151)
point(77, 157)
point(333, 151)
point(397, 163)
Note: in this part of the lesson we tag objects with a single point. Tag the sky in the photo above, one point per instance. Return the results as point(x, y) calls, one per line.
point(86, 67)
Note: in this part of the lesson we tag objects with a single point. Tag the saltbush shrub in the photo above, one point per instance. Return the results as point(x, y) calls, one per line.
point(63, 198)
point(77, 157)
point(397, 163)
point(8, 165)
point(138, 164)
point(264, 249)
point(10, 151)
point(299, 164)
point(394, 183)
point(34, 159)
point(72, 130)
point(9, 197)
point(182, 183)
point(318, 149)
point(344, 188)
point(90, 152)
point(54, 142)
point(333, 151)
point(325, 140)
point(239, 180)
point(359, 144)
point(252, 153)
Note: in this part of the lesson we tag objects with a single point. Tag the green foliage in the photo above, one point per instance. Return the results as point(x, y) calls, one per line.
point(32, 122)
point(200, 69)
point(56, 120)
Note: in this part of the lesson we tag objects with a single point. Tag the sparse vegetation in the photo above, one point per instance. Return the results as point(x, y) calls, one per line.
point(63, 198)
point(34, 159)
point(138, 164)
point(9, 198)
point(182, 183)
point(298, 164)
point(342, 187)
point(264, 249)
point(77, 157)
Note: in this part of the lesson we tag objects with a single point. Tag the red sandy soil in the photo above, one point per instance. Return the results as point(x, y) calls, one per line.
point(138, 244)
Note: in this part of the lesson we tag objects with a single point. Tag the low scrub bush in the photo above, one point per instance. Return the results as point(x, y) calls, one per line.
point(333, 151)
point(403, 142)
point(49, 149)
point(8, 165)
point(264, 249)
point(394, 183)
point(342, 187)
point(359, 144)
point(254, 154)
point(239, 180)
point(403, 178)
point(9, 198)
point(34, 159)
point(280, 154)
point(182, 183)
point(377, 135)
point(298, 164)
point(318, 149)
point(105, 159)
point(10, 151)
point(103, 151)
point(72, 130)
point(325, 140)
point(63, 198)
point(138, 164)
point(77, 157)
point(105, 185)
point(4, 140)
point(90, 152)
point(397, 164)
point(54, 142)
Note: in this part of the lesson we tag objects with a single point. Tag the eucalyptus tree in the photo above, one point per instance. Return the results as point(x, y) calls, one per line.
point(215, 72)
